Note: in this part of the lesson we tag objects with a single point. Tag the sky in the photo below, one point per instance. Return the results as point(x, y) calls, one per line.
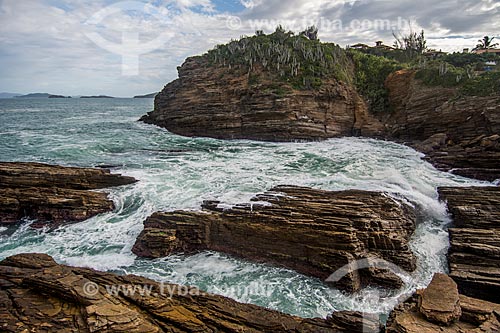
point(127, 48)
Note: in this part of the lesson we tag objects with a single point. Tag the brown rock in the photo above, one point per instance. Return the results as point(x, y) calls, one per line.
point(439, 302)
point(356, 322)
point(219, 102)
point(476, 311)
point(21, 174)
point(51, 204)
point(38, 295)
point(314, 232)
point(477, 315)
point(53, 193)
point(474, 254)
point(423, 116)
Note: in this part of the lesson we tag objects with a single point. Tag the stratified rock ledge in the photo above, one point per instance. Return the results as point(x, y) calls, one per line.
point(38, 295)
point(311, 231)
point(474, 254)
point(49, 193)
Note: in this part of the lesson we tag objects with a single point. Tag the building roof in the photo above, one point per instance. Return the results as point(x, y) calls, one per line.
point(481, 51)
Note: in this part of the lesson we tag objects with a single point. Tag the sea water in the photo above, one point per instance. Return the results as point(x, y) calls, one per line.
point(176, 172)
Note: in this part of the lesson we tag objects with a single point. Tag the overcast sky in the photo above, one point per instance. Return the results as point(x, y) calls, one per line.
point(127, 48)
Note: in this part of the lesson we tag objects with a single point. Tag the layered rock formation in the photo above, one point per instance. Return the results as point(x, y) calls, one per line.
point(458, 133)
point(219, 102)
point(53, 193)
point(38, 295)
point(440, 308)
point(312, 231)
point(474, 254)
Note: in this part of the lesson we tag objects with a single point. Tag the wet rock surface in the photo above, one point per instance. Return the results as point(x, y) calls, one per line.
point(312, 231)
point(57, 194)
point(38, 295)
point(474, 254)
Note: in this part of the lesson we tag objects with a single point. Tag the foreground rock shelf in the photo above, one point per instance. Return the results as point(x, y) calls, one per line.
point(38, 295)
point(474, 254)
point(312, 231)
point(54, 193)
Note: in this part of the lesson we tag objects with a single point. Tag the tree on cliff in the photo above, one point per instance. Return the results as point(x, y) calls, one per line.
point(311, 33)
point(412, 43)
point(486, 43)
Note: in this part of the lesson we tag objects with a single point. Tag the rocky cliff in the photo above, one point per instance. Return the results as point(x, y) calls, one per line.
point(458, 133)
point(312, 231)
point(235, 95)
point(49, 193)
point(38, 295)
point(223, 102)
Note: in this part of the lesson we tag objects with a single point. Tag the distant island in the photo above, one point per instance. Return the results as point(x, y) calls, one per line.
point(100, 96)
point(59, 96)
point(47, 95)
point(34, 95)
point(39, 95)
point(152, 95)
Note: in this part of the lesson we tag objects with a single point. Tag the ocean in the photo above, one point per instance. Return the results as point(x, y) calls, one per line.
point(176, 172)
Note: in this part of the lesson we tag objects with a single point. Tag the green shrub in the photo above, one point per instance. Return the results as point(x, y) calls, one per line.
point(370, 73)
point(469, 59)
point(442, 74)
point(483, 85)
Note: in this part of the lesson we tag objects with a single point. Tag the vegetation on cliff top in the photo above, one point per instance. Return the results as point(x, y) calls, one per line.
point(303, 62)
point(300, 60)
point(468, 72)
point(369, 78)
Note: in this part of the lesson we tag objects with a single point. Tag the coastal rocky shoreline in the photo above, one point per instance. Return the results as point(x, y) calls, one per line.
point(311, 231)
point(39, 294)
point(460, 134)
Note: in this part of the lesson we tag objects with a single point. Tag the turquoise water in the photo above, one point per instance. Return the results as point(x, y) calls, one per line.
point(179, 173)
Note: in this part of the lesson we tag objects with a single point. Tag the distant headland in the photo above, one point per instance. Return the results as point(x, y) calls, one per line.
point(152, 95)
